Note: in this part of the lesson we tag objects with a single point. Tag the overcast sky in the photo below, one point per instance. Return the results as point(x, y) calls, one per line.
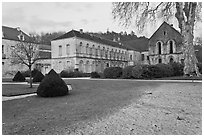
point(50, 17)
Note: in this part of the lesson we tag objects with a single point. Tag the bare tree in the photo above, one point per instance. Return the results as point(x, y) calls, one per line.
point(186, 13)
point(25, 52)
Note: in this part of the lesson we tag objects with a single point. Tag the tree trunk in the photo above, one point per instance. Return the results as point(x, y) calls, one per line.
point(186, 18)
point(31, 81)
point(190, 60)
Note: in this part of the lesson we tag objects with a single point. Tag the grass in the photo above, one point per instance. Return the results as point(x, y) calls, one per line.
point(181, 78)
point(89, 100)
point(17, 89)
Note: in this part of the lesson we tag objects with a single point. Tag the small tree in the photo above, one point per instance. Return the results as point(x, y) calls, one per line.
point(25, 52)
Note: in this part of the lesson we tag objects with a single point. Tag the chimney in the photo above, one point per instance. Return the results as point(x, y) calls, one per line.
point(172, 25)
point(81, 31)
point(18, 29)
point(118, 38)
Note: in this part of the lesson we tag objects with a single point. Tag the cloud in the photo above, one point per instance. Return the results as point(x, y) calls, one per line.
point(84, 21)
point(42, 24)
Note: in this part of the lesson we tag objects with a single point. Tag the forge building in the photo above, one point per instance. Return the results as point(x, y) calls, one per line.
point(165, 45)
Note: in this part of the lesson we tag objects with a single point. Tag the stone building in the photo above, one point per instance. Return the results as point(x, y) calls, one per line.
point(10, 38)
point(165, 45)
point(77, 50)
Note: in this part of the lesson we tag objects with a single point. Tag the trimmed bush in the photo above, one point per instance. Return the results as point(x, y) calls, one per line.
point(52, 85)
point(127, 72)
point(177, 69)
point(19, 77)
point(95, 75)
point(34, 72)
point(113, 72)
point(38, 77)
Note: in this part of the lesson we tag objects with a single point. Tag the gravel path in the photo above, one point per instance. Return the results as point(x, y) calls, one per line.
point(169, 109)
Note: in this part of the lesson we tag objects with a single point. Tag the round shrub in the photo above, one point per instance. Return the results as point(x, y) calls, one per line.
point(19, 77)
point(165, 70)
point(137, 71)
point(113, 72)
point(177, 69)
point(52, 85)
point(146, 73)
point(127, 72)
point(38, 77)
point(64, 74)
point(95, 75)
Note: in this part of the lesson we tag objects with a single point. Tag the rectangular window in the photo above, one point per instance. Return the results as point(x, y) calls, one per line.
point(67, 49)
point(2, 49)
point(60, 50)
point(142, 58)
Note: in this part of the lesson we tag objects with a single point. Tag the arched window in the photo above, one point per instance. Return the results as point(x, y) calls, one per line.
point(130, 57)
point(182, 61)
point(160, 60)
point(171, 60)
point(90, 51)
point(2, 49)
point(170, 47)
point(60, 50)
point(87, 67)
point(80, 47)
point(87, 49)
point(159, 47)
point(81, 66)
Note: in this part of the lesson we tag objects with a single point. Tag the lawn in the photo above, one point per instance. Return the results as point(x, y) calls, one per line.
point(17, 89)
point(90, 100)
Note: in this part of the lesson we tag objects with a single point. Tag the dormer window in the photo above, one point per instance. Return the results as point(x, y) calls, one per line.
point(21, 37)
point(164, 33)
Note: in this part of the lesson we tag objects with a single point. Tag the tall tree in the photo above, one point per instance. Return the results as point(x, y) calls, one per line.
point(142, 13)
point(25, 52)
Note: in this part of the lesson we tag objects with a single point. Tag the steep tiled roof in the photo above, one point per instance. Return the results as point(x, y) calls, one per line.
point(171, 33)
point(74, 33)
point(13, 33)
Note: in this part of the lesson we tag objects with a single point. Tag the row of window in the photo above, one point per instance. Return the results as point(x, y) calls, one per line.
point(96, 51)
point(171, 44)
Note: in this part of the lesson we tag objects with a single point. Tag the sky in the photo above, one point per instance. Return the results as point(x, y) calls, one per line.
point(37, 17)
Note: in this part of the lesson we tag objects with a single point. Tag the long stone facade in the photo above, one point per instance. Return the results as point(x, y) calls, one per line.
point(76, 50)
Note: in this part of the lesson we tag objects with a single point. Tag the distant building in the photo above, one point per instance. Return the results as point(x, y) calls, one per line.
point(77, 50)
point(165, 45)
point(10, 38)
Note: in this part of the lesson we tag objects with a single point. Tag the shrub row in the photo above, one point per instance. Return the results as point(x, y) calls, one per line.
point(67, 74)
point(140, 71)
point(113, 72)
